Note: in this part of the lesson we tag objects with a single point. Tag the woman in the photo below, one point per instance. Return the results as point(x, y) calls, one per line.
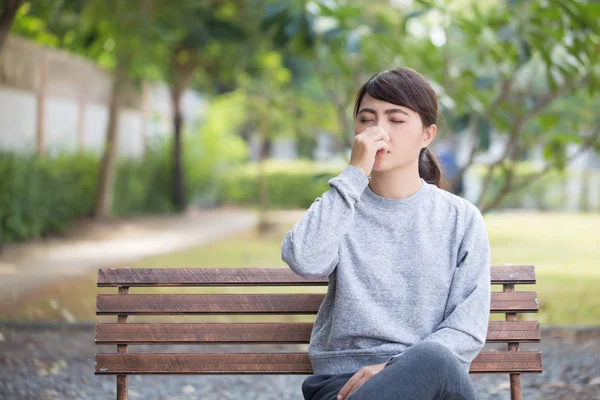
point(408, 299)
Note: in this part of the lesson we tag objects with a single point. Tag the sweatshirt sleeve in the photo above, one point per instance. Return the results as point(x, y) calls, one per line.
point(310, 249)
point(464, 328)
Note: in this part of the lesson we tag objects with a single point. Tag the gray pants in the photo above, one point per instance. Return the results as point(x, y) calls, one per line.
point(424, 371)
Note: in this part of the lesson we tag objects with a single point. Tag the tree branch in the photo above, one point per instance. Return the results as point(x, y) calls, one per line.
point(507, 83)
point(545, 101)
point(589, 142)
point(509, 152)
point(472, 124)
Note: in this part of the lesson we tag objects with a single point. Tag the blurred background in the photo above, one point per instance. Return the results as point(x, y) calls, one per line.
point(152, 133)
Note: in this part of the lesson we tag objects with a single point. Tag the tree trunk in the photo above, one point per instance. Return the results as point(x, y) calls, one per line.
point(181, 78)
point(178, 178)
point(40, 133)
point(108, 166)
point(266, 148)
point(7, 16)
point(264, 225)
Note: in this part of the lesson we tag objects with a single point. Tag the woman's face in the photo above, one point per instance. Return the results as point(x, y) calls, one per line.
point(403, 125)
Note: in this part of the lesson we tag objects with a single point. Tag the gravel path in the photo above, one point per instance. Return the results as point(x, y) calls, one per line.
point(57, 363)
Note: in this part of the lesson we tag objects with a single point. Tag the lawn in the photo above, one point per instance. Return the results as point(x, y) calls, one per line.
point(565, 248)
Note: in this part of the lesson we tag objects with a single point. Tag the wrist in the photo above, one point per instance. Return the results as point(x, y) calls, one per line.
point(365, 173)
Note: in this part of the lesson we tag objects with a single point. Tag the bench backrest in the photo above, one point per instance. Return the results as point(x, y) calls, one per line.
point(509, 302)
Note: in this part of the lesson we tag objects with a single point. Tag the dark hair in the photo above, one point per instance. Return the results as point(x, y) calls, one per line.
point(407, 88)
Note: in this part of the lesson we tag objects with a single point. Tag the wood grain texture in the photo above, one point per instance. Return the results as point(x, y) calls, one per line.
point(516, 387)
point(523, 332)
point(507, 361)
point(276, 276)
point(218, 333)
point(513, 274)
point(214, 333)
point(161, 304)
point(277, 363)
point(303, 303)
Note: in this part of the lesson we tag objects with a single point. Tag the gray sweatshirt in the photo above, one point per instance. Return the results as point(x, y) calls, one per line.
point(400, 271)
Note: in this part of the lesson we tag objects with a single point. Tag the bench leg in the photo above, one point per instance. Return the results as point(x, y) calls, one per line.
point(121, 387)
point(122, 348)
point(516, 392)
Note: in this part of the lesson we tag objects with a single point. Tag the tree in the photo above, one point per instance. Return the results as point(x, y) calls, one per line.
point(500, 70)
point(346, 55)
point(269, 110)
point(207, 34)
point(340, 41)
point(134, 48)
point(8, 11)
point(120, 37)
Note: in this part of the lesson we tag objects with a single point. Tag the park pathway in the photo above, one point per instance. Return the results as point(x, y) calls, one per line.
point(25, 267)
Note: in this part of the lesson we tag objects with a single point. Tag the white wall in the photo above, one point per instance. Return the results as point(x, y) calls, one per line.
point(17, 120)
point(18, 116)
point(68, 82)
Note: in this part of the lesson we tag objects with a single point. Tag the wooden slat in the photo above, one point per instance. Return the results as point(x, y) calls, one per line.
point(507, 362)
point(204, 333)
point(277, 276)
point(515, 274)
point(161, 304)
point(277, 363)
point(203, 363)
point(522, 332)
point(216, 333)
point(303, 303)
point(514, 302)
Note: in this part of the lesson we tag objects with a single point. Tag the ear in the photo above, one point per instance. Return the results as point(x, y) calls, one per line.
point(429, 134)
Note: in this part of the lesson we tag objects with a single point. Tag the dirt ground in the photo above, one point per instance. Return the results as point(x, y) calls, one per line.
point(57, 362)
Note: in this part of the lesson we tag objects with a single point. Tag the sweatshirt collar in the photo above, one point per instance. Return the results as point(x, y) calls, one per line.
point(386, 203)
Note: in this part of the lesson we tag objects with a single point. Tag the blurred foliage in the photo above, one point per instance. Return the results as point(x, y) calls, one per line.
point(102, 30)
point(529, 71)
point(216, 146)
point(296, 184)
point(551, 192)
point(44, 194)
point(291, 184)
point(142, 186)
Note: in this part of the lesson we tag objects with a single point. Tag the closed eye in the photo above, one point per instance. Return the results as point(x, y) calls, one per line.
point(370, 120)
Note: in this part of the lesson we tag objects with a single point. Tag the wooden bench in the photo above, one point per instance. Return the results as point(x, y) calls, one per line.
point(510, 302)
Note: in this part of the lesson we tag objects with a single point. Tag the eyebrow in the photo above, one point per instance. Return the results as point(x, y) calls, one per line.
point(390, 111)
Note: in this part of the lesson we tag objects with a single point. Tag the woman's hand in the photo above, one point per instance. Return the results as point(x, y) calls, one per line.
point(366, 145)
point(363, 375)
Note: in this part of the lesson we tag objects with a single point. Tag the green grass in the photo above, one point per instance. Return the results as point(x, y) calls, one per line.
point(565, 248)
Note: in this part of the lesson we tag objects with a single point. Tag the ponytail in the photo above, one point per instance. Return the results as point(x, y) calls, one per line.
point(429, 167)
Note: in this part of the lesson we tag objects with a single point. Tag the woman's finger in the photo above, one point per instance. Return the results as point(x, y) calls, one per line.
point(380, 145)
point(344, 393)
point(358, 385)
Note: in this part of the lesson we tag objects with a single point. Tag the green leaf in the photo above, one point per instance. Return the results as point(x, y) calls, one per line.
point(274, 14)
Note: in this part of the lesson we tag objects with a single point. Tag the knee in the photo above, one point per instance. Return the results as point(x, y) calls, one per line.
point(432, 349)
point(434, 356)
